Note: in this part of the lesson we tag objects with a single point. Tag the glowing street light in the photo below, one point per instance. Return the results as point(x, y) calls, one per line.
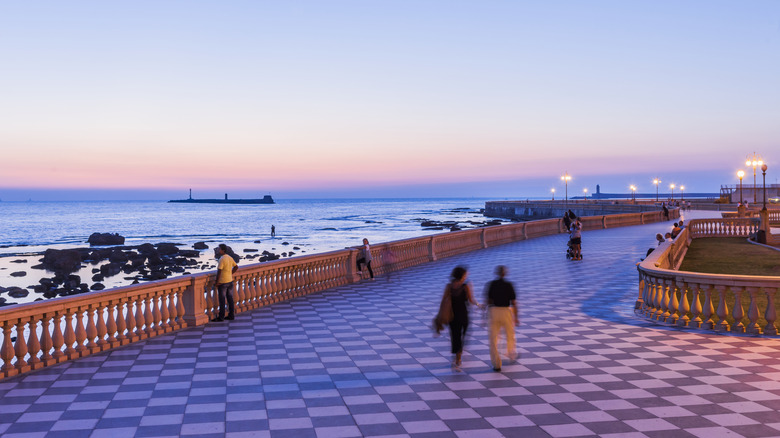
point(740, 174)
point(656, 182)
point(566, 178)
point(671, 186)
point(754, 161)
point(633, 193)
point(586, 193)
point(682, 193)
point(553, 194)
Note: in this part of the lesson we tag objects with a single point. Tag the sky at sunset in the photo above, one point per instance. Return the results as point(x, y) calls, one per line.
point(129, 99)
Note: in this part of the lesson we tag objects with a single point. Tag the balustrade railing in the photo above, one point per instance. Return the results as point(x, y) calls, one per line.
point(44, 333)
point(692, 299)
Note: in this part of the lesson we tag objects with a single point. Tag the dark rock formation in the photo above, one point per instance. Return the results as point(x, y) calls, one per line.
point(17, 292)
point(200, 245)
point(98, 286)
point(101, 239)
point(18, 274)
point(167, 248)
point(61, 260)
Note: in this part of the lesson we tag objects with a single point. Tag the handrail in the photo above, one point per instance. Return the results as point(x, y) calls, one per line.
point(686, 299)
point(39, 334)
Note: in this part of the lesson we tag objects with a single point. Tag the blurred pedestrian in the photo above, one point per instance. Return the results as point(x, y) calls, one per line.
point(365, 258)
point(502, 315)
point(459, 293)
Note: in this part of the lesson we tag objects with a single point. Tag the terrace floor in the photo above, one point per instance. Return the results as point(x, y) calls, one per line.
point(360, 360)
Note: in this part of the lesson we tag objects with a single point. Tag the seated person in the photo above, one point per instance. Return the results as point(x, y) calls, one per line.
point(676, 230)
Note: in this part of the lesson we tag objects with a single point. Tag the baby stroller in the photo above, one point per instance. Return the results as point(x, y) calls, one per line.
point(569, 250)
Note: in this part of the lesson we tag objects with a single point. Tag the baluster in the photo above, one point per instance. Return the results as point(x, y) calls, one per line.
point(696, 309)
point(240, 294)
point(674, 303)
point(7, 352)
point(656, 301)
point(155, 315)
point(70, 336)
point(91, 329)
point(664, 300)
point(709, 309)
point(46, 342)
point(646, 294)
point(180, 309)
point(212, 300)
point(102, 312)
point(148, 315)
point(165, 316)
point(771, 314)
point(21, 347)
point(34, 344)
point(738, 312)
point(685, 307)
point(129, 323)
point(640, 301)
point(723, 309)
point(139, 318)
point(753, 327)
point(81, 332)
point(111, 326)
point(59, 339)
point(172, 314)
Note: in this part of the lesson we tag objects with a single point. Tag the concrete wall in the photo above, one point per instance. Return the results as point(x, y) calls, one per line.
point(523, 210)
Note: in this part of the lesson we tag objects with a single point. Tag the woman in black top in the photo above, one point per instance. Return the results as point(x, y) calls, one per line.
point(460, 294)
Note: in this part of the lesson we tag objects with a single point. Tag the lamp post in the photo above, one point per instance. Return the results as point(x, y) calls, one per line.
point(633, 193)
point(740, 174)
point(656, 182)
point(763, 170)
point(586, 193)
point(672, 187)
point(566, 178)
point(682, 193)
point(754, 161)
point(553, 194)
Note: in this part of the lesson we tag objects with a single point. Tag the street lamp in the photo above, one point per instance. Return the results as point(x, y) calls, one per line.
point(586, 193)
point(763, 170)
point(672, 187)
point(740, 174)
point(553, 192)
point(566, 178)
point(633, 193)
point(754, 161)
point(682, 193)
point(656, 182)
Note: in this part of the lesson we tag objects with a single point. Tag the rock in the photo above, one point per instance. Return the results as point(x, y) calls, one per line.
point(290, 254)
point(110, 269)
point(47, 282)
point(18, 274)
point(157, 275)
point(155, 260)
point(200, 245)
point(98, 277)
point(285, 243)
point(101, 239)
point(188, 253)
point(19, 261)
point(147, 249)
point(17, 292)
point(167, 248)
point(61, 260)
point(250, 250)
point(258, 241)
point(72, 282)
point(117, 256)
point(97, 286)
point(295, 247)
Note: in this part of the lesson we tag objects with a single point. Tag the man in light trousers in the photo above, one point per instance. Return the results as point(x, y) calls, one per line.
point(502, 314)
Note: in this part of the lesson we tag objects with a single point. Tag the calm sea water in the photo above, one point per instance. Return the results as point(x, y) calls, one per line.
point(314, 226)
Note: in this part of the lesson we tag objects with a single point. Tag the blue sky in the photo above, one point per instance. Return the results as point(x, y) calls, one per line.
point(383, 98)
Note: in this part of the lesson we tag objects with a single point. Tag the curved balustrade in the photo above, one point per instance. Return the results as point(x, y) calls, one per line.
point(43, 333)
point(708, 301)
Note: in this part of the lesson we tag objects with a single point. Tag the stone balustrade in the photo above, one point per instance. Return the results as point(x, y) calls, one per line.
point(698, 300)
point(44, 333)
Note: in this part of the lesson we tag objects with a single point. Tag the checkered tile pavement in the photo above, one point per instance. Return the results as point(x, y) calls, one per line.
point(360, 360)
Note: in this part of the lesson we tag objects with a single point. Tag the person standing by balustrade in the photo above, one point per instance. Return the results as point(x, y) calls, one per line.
point(365, 258)
point(501, 300)
point(226, 267)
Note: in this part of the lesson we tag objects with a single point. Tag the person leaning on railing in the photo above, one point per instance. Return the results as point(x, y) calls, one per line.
point(225, 269)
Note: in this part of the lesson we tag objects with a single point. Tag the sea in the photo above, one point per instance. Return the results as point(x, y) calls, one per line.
point(302, 227)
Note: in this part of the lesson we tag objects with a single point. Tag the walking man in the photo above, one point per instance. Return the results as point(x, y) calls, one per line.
point(273, 231)
point(225, 270)
point(502, 314)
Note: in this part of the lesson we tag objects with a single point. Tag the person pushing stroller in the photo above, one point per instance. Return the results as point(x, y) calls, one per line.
point(575, 241)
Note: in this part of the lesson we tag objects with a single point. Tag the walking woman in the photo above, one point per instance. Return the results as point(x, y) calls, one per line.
point(458, 292)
